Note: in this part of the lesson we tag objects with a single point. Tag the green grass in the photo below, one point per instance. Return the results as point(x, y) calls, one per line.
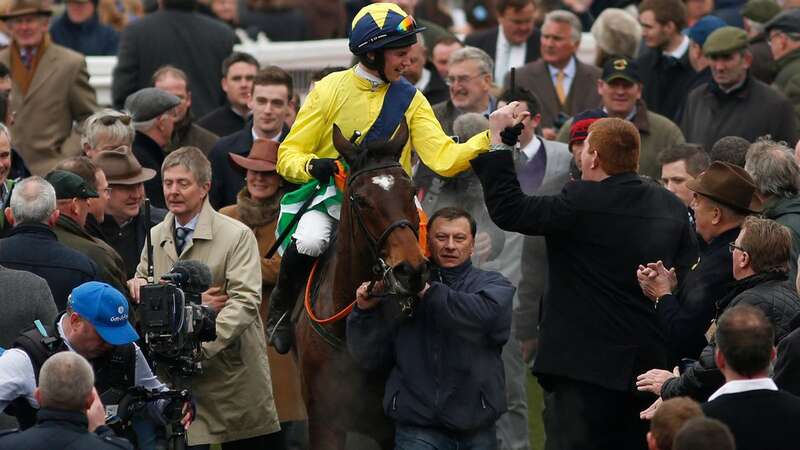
point(535, 406)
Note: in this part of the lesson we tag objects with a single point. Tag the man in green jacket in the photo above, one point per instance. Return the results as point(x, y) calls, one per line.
point(783, 36)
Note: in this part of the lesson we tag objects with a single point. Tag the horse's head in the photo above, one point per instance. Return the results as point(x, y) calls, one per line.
point(379, 206)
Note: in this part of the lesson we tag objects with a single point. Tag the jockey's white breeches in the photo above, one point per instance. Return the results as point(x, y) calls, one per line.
point(313, 233)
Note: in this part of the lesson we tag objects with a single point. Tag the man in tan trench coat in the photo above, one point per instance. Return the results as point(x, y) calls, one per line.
point(233, 394)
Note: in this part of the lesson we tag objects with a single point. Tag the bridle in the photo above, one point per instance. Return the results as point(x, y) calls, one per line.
point(392, 287)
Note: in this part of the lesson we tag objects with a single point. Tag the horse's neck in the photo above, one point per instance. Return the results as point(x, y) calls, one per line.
point(351, 264)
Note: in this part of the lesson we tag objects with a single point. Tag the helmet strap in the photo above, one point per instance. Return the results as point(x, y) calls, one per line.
point(377, 63)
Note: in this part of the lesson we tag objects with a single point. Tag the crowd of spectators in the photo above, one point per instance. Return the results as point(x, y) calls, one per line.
point(645, 224)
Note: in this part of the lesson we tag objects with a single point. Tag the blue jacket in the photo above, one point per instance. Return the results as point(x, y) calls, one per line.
point(91, 38)
point(446, 370)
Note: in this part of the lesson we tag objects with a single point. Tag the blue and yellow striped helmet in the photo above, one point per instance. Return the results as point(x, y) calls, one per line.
point(382, 25)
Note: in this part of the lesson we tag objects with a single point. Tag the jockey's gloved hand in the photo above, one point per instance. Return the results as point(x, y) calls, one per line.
point(323, 169)
point(510, 135)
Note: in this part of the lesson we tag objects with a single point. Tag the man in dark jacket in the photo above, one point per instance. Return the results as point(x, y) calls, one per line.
point(71, 414)
point(154, 115)
point(186, 133)
point(733, 103)
point(666, 71)
point(758, 414)
point(176, 35)
point(723, 195)
point(784, 42)
point(238, 72)
point(79, 28)
point(270, 101)
point(32, 245)
point(760, 262)
point(597, 327)
point(451, 393)
point(776, 174)
point(125, 226)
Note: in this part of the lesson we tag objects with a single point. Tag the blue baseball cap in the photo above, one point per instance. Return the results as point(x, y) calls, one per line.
point(106, 309)
point(700, 31)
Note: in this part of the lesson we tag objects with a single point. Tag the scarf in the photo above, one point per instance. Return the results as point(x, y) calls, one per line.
point(254, 213)
point(21, 74)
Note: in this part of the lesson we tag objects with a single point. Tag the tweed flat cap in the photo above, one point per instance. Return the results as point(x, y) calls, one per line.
point(761, 11)
point(149, 103)
point(787, 21)
point(725, 41)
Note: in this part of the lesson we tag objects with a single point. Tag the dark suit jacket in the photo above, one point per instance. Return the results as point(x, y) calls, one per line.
point(535, 76)
point(150, 155)
point(486, 40)
point(189, 41)
point(665, 85)
point(222, 121)
point(759, 419)
point(226, 182)
point(597, 327)
point(688, 313)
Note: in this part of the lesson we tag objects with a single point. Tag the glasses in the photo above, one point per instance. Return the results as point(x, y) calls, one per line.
point(111, 120)
point(732, 246)
point(461, 79)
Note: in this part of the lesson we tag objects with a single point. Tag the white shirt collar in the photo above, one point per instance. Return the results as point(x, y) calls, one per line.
point(275, 138)
point(60, 327)
point(362, 72)
point(506, 59)
point(569, 69)
point(424, 79)
point(630, 115)
point(679, 52)
point(737, 386)
point(532, 148)
point(191, 225)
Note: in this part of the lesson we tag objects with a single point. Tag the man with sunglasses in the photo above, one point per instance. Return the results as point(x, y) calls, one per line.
point(722, 197)
point(107, 129)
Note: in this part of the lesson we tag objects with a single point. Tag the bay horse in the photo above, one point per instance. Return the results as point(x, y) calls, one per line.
point(376, 240)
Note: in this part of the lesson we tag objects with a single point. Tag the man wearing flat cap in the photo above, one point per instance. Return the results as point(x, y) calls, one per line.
point(722, 197)
point(698, 33)
point(783, 35)
point(734, 103)
point(72, 202)
point(125, 225)
point(755, 14)
point(50, 89)
point(154, 115)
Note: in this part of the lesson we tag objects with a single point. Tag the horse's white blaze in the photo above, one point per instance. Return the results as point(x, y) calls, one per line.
point(384, 181)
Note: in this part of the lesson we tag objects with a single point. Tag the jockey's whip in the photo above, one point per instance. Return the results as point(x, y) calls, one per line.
point(303, 208)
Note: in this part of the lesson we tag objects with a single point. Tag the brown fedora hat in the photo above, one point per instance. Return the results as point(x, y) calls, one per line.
point(18, 8)
point(121, 167)
point(729, 185)
point(262, 157)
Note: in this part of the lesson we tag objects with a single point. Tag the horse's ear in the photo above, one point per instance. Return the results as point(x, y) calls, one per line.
point(395, 146)
point(343, 146)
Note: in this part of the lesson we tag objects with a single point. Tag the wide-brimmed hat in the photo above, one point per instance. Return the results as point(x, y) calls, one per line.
point(121, 167)
point(729, 185)
point(18, 8)
point(262, 157)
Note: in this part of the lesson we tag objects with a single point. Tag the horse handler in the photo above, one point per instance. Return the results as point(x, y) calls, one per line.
point(367, 102)
point(446, 388)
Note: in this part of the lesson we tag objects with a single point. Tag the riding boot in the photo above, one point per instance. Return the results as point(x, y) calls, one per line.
point(291, 279)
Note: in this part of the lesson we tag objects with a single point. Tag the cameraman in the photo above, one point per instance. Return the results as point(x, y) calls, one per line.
point(95, 325)
point(235, 406)
point(71, 412)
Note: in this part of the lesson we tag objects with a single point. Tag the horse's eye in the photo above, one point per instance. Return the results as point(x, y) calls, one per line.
point(360, 201)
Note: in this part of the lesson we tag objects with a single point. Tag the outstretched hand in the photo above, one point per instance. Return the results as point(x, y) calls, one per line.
point(507, 116)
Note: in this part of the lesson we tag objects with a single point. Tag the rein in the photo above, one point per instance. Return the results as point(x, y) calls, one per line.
point(391, 285)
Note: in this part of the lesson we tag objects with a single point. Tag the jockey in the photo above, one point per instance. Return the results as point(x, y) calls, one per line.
point(354, 99)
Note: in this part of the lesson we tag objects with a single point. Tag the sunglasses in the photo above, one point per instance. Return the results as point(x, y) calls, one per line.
point(732, 246)
point(111, 120)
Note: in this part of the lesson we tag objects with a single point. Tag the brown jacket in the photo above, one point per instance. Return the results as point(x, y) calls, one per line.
point(283, 369)
point(59, 95)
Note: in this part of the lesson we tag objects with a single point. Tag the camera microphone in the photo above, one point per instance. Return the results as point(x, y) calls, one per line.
point(193, 276)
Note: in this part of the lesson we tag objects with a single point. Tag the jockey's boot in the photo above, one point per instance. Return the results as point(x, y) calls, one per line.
point(291, 279)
